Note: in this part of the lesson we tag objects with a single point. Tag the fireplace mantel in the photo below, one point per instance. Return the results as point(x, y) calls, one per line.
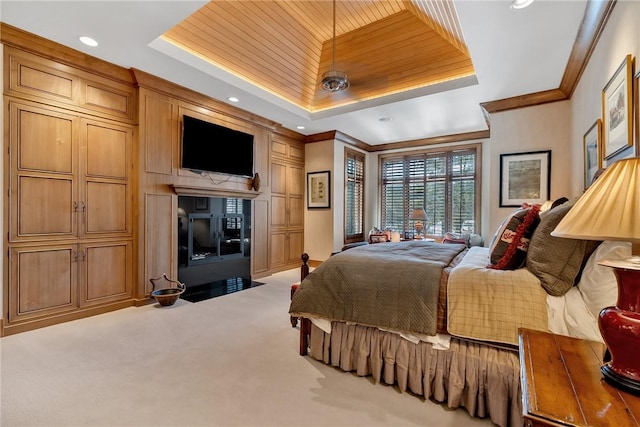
point(192, 190)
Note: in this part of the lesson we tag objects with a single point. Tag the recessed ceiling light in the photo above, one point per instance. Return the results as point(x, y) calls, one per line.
point(88, 41)
point(520, 4)
point(300, 127)
point(233, 99)
point(384, 119)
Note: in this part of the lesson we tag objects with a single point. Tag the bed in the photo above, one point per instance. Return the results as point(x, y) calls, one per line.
point(458, 342)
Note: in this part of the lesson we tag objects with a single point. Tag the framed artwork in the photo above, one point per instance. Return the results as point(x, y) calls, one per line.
point(617, 118)
point(377, 238)
point(525, 178)
point(202, 204)
point(319, 190)
point(592, 157)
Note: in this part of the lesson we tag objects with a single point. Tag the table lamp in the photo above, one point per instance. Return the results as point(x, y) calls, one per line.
point(610, 210)
point(418, 215)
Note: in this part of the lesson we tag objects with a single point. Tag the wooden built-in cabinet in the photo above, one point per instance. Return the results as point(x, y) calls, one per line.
point(92, 167)
point(286, 225)
point(69, 205)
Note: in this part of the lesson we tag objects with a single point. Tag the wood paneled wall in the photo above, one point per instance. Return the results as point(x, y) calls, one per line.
point(153, 108)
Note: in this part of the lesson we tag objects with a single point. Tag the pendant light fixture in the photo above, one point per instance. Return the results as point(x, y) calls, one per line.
point(334, 80)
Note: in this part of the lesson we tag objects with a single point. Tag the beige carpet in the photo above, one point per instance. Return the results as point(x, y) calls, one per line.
point(228, 361)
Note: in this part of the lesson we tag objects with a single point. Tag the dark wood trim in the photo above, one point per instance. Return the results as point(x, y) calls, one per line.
point(521, 101)
point(445, 139)
point(339, 136)
point(595, 18)
point(12, 36)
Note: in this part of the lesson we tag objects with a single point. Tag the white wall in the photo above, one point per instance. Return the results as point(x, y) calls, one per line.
point(620, 37)
point(319, 223)
point(544, 127)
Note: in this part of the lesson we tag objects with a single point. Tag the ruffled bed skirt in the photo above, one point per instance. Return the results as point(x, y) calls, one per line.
point(481, 378)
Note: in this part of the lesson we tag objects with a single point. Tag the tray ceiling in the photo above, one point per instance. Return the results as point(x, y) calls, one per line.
point(284, 47)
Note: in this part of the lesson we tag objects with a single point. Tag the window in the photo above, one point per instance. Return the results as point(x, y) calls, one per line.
point(445, 183)
point(233, 206)
point(353, 196)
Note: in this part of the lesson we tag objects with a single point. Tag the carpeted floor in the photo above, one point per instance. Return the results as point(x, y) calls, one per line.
point(226, 361)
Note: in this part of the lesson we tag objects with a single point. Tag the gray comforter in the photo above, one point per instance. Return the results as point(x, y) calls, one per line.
point(388, 285)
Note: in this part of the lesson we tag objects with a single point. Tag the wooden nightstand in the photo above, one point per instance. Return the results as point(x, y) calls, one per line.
point(562, 384)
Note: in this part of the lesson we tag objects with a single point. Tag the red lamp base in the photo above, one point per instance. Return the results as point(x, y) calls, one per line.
point(620, 381)
point(620, 329)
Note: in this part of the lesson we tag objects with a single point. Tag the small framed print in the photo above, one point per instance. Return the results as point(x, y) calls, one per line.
point(592, 155)
point(377, 238)
point(202, 204)
point(525, 178)
point(617, 118)
point(319, 190)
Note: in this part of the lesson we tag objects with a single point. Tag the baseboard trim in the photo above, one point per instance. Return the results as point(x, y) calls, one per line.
point(30, 325)
point(313, 263)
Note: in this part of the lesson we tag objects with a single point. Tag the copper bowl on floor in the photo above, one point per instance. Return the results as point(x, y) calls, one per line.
point(167, 296)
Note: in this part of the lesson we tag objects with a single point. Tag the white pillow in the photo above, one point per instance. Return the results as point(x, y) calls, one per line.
point(598, 283)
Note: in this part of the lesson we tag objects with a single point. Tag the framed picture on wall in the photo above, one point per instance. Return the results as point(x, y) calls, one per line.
point(202, 204)
point(617, 117)
point(592, 156)
point(525, 178)
point(319, 190)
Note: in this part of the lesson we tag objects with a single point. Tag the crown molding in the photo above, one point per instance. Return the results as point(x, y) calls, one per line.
point(596, 15)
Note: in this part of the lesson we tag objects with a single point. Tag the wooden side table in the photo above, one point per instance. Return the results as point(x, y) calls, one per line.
point(562, 384)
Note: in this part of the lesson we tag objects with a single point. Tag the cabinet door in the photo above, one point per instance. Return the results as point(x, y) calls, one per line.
point(105, 167)
point(42, 281)
point(259, 238)
point(106, 271)
point(43, 166)
point(295, 181)
point(295, 243)
point(278, 249)
point(278, 178)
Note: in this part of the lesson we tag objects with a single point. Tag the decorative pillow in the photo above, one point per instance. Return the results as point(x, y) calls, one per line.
point(456, 238)
point(556, 261)
point(496, 235)
point(509, 250)
point(598, 284)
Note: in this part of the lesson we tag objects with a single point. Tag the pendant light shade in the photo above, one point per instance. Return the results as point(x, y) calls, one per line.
point(334, 80)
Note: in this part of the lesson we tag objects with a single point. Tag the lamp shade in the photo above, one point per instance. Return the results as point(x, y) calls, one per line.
point(418, 214)
point(609, 209)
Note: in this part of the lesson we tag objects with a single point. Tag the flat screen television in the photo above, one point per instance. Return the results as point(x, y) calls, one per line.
point(207, 147)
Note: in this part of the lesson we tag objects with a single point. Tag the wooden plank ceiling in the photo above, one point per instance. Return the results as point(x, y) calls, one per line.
point(284, 46)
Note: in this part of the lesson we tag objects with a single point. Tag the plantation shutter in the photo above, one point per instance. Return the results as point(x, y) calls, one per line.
point(393, 215)
point(443, 183)
point(354, 196)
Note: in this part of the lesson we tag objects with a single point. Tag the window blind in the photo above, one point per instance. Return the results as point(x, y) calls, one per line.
point(354, 196)
point(444, 183)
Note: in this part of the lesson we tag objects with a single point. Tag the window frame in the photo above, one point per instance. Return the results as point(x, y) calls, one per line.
point(357, 155)
point(432, 152)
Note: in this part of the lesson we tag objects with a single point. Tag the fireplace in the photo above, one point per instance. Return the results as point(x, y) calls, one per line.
point(214, 239)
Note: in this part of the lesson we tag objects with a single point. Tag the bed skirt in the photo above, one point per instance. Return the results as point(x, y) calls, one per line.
point(483, 379)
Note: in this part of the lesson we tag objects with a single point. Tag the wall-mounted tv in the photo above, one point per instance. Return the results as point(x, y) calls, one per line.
point(207, 147)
